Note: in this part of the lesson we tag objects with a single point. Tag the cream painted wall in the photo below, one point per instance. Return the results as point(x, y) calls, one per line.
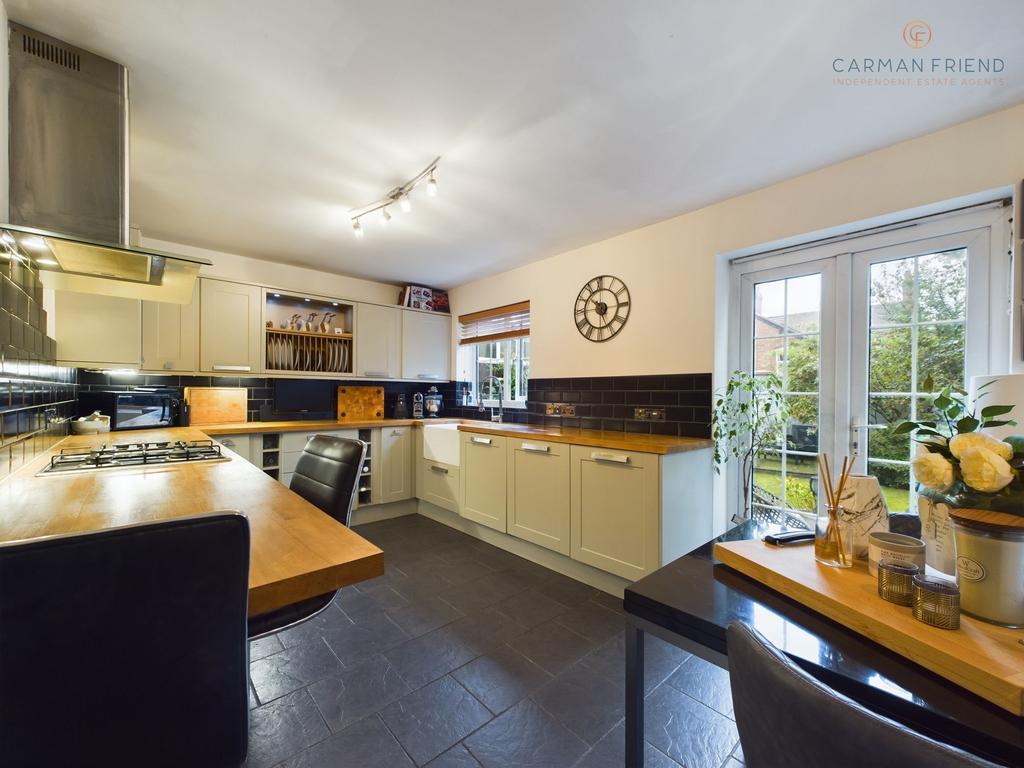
point(5, 77)
point(230, 266)
point(670, 267)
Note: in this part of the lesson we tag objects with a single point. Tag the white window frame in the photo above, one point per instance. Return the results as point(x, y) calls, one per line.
point(990, 301)
point(469, 372)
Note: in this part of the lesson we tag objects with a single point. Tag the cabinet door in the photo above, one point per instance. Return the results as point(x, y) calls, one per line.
point(97, 330)
point(615, 510)
point(394, 464)
point(378, 341)
point(538, 493)
point(484, 477)
point(426, 346)
point(230, 326)
point(240, 444)
point(438, 483)
point(170, 335)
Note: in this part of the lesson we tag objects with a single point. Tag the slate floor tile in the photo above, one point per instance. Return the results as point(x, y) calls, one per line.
point(456, 757)
point(328, 619)
point(567, 591)
point(293, 668)
point(501, 678)
point(587, 704)
point(357, 605)
point(366, 744)
point(357, 692)
point(552, 647)
point(483, 630)
point(265, 646)
point(608, 601)
point(706, 682)
point(429, 721)
point(373, 634)
point(424, 615)
point(283, 728)
point(430, 656)
point(525, 736)
point(483, 592)
point(686, 730)
point(530, 608)
point(610, 752)
point(661, 659)
point(593, 622)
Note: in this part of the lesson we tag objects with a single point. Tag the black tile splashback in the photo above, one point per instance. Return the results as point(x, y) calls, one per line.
point(36, 396)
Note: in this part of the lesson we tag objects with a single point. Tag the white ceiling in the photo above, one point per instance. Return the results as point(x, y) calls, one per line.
point(257, 124)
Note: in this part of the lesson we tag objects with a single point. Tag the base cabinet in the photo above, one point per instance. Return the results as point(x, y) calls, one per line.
point(395, 464)
point(615, 509)
point(438, 483)
point(484, 473)
point(240, 444)
point(538, 493)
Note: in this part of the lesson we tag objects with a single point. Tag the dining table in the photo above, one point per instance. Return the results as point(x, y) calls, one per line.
point(691, 601)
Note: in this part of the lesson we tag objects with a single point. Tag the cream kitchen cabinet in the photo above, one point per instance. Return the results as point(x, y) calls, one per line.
point(615, 510)
point(484, 480)
point(95, 331)
point(231, 327)
point(378, 341)
point(240, 444)
point(170, 335)
point(426, 346)
point(538, 493)
point(395, 464)
point(438, 483)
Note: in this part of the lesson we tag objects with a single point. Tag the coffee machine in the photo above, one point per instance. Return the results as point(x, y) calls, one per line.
point(417, 405)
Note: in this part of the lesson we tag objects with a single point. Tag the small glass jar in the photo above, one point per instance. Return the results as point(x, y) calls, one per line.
point(833, 537)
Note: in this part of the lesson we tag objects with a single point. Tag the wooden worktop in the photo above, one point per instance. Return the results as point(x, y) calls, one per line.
point(297, 550)
point(257, 427)
point(594, 438)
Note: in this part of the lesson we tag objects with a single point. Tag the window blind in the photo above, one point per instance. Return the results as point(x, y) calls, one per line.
point(506, 322)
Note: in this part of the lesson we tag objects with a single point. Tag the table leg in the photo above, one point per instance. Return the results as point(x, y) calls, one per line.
point(634, 696)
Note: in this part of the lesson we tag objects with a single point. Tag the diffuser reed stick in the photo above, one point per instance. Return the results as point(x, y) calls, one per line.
point(829, 548)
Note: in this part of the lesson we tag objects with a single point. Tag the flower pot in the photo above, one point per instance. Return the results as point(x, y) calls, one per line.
point(990, 564)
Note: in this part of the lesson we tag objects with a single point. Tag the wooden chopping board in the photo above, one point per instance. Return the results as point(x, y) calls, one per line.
point(983, 658)
point(360, 403)
point(217, 405)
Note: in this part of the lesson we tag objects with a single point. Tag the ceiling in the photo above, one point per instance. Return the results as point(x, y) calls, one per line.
point(257, 126)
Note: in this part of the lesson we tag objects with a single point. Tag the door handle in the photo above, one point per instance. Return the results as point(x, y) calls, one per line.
point(242, 368)
point(535, 448)
point(442, 470)
point(615, 458)
point(481, 440)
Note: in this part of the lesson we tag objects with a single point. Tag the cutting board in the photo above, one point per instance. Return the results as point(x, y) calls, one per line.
point(217, 405)
point(983, 658)
point(360, 403)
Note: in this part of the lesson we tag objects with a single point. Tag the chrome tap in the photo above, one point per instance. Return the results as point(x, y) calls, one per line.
point(500, 415)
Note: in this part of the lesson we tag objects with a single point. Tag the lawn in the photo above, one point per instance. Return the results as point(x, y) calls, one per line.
point(897, 499)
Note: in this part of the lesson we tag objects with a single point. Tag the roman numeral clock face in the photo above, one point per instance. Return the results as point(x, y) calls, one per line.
point(602, 308)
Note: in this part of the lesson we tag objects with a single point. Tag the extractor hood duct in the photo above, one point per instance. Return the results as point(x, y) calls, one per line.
point(69, 176)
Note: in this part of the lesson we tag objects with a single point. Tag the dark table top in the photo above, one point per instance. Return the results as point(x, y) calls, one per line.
point(697, 597)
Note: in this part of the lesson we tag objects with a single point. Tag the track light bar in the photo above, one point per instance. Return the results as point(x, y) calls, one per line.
point(399, 195)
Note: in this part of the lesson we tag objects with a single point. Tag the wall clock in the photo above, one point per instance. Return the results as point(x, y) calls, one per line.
point(602, 308)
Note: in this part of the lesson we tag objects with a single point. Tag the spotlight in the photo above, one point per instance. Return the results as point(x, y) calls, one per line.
point(432, 185)
point(357, 228)
point(385, 214)
point(405, 203)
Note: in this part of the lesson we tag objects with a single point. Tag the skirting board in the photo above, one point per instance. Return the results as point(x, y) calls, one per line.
point(377, 512)
point(593, 577)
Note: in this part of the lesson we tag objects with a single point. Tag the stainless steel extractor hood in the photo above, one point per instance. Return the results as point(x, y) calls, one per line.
point(69, 176)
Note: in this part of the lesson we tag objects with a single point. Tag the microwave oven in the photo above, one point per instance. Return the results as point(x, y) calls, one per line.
point(133, 409)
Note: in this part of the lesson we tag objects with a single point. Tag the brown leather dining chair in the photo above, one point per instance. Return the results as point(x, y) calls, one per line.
point(787, 718)
point(127, 646)
point(327, 476)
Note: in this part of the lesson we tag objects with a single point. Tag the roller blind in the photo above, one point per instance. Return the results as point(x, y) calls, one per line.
point(507, 322)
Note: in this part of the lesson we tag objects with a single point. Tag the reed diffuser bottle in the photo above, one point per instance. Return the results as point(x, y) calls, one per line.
point(833, 531)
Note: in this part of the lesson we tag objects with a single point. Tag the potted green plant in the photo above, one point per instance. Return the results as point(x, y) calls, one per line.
point(981, 480)
point(749, 416)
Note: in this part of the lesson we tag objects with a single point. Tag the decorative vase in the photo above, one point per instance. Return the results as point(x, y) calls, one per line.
point(990, 564)
point(866, 510)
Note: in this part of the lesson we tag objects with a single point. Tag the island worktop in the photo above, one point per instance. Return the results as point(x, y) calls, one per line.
point(297, 551)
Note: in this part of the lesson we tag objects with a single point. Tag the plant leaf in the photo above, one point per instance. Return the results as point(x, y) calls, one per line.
point(995, 410)
point(967, 424)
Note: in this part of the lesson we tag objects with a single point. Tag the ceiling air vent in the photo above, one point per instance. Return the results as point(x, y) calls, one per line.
point(52, 53)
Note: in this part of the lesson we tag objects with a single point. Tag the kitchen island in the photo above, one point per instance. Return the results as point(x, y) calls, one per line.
point(297, 551)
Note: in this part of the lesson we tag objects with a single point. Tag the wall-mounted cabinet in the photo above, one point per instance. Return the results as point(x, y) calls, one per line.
point(97, 331)
point(230, 327)
point(426, 346)
point(170, 335)
point(378, 342)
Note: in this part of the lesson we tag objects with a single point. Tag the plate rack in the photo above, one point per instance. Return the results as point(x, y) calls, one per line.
point(309, 352)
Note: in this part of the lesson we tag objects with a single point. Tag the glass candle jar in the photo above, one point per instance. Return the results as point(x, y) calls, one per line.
point(833, 537)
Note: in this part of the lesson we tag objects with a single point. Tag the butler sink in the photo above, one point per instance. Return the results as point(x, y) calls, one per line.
point(441, 443)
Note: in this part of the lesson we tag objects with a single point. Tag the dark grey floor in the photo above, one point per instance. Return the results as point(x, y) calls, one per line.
point(463, 655)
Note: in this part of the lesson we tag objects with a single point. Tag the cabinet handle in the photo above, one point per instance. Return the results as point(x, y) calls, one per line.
point(396, 433)
point(243, 368)
point(481, 440)
point(430, 376)
point(228, 443)
point(536, 448)
point(442, 470)
point(617, 458)
point(377, 374)
point(168, 365)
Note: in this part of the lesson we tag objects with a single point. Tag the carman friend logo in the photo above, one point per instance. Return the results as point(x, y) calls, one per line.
point(943, 67)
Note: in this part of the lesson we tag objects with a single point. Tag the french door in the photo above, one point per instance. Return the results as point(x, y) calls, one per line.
point(854, 329)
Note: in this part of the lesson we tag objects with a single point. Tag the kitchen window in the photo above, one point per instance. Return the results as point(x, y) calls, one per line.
point(853, 327)
point(494, 356)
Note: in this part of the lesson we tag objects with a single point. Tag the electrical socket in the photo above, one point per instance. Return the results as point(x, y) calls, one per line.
point(649, 414)
point(560, 409)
